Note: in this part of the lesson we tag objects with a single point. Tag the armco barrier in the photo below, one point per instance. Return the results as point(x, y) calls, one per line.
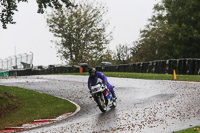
point(189, 66)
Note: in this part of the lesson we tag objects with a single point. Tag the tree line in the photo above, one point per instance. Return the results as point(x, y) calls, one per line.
point(81, 32)
point(82, 35)
point(172, 32)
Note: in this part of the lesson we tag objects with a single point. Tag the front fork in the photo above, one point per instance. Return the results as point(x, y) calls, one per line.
point(99, 95)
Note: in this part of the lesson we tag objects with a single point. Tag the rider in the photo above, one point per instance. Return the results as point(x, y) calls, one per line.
point(94, 75)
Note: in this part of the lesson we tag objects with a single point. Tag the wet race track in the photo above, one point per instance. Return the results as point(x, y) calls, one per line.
point(143, 105)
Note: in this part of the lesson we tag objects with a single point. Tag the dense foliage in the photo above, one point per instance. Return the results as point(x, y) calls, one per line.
point(173, 32)
point(122, 55)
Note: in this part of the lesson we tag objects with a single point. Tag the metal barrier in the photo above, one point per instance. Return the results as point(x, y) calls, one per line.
point(21, 61)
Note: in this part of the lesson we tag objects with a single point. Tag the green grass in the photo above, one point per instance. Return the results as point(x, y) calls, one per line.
point(7, 102)
point(30, 105)
point(146, 76)
point(190, 130)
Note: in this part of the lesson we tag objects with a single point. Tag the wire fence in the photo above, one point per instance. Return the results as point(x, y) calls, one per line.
point(21, 61)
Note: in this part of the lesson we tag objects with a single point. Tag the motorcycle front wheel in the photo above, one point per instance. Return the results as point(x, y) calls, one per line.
point(101, 101)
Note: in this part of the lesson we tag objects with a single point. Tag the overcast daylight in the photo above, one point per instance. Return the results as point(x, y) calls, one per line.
point(30, 33)
point(130, 66)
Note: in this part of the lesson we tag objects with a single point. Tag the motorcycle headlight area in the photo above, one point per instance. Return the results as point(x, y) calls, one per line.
point(95, 88)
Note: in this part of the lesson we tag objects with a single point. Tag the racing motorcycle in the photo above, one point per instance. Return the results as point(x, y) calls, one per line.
point(103, 96)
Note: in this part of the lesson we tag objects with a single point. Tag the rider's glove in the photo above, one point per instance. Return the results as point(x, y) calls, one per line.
point(105, 83)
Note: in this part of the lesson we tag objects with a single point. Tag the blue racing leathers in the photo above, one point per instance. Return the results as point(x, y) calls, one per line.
point(92, 80)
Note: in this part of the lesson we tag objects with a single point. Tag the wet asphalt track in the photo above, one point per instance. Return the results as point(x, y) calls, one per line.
point(147, 106)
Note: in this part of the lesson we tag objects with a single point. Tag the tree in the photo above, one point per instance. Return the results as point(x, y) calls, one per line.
point(184, 27)
point(8, 8)
point(108, 56)
point(122, 55)
point(81, 32)
point(152, 44)
point(173, 32)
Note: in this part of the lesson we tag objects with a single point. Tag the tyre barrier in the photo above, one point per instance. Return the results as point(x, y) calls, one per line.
point(189, 66)
point(51, 70)
point(84, 66)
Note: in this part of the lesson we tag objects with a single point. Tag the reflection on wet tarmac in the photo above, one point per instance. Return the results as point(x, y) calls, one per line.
point(157, 98)
point(143, 105)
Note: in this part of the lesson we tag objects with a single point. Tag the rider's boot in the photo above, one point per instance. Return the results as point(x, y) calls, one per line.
point(114, 95)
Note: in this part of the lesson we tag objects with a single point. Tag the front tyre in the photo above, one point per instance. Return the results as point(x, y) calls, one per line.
point(101, 101)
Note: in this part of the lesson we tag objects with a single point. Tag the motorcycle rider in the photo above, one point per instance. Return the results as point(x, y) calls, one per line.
point(94, 75)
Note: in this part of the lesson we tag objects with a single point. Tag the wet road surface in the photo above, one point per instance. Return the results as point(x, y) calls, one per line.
point(143, 105)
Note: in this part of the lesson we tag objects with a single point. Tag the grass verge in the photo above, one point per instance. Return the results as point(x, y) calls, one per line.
point(195, 78)
point(190, 130)
point(22, 106)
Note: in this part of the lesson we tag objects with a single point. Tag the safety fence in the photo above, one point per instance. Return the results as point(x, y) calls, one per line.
point(182, 66)
point(189, 66)
point(21, 61)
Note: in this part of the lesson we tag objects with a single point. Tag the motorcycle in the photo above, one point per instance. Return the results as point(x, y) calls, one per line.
point(103, 96)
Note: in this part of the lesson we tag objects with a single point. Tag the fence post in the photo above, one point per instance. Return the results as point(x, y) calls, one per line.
point(10, 67)
point(31, 62)
point(26, 57)
point(2, 63)
point(21, 66)
point(7, 63)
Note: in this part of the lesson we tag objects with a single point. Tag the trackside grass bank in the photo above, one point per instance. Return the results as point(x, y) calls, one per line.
point(18, 106)
point(190, 130)
point(146, 76)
